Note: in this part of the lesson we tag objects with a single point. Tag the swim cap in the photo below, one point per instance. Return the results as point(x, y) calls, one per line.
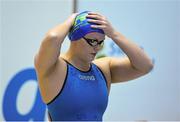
point(81, 27)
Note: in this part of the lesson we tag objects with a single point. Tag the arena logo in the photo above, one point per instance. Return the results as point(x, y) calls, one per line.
point(84, 77)
point(10, 111)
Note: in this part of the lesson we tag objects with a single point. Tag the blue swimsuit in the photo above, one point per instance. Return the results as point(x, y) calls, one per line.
point(84, 96)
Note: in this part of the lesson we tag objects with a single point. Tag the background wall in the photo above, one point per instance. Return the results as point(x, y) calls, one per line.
point(152, 24)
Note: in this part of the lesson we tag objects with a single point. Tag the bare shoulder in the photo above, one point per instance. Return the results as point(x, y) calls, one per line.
point(51, 83)
point(103, 64)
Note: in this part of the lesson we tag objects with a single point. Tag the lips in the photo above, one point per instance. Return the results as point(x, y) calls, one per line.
point(94, 54)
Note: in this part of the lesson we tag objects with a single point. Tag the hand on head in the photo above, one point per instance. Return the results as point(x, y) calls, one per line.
point(101, 22)
point(82, 27)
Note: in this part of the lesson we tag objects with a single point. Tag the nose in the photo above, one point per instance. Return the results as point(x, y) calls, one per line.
point(97, 48)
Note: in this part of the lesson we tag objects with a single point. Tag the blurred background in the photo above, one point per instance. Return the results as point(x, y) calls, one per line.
point(153, 24)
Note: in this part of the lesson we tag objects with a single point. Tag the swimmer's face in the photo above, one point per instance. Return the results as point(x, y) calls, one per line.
point(91, 48)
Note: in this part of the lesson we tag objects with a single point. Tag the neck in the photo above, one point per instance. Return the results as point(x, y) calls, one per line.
point(72, 57)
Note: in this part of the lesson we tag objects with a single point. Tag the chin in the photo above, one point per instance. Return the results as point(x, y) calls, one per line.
point(90, 59)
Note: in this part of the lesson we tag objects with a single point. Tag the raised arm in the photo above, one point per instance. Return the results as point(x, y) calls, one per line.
point(50, 47)
point(135, 64)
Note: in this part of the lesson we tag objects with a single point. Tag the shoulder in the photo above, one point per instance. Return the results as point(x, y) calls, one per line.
point(51, 83)
point(103, 65)
point(102, 62)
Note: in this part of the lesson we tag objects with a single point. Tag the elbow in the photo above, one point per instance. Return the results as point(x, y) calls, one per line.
point(50, 40)
point(149, 67)
point(51, 36)
point(35, 62)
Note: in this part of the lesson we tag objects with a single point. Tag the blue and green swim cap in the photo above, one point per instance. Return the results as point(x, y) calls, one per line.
point(81, 27)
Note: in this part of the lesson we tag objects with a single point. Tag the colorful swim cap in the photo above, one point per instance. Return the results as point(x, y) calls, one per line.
point(81, 27)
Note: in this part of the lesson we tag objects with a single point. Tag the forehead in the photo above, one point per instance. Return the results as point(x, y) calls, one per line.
point(95, 35)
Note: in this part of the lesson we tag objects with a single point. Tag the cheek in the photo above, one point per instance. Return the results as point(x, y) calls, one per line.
point(82, 49)
point(85, 47)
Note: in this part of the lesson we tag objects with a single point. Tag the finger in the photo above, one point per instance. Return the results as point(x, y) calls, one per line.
point(98, 26)
point(96, 21)
point(94, 17)
point(94, 13)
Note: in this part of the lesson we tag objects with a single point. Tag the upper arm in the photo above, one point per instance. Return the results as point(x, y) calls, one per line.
point(122, 70)
point(118, 69)
point(48, 54)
